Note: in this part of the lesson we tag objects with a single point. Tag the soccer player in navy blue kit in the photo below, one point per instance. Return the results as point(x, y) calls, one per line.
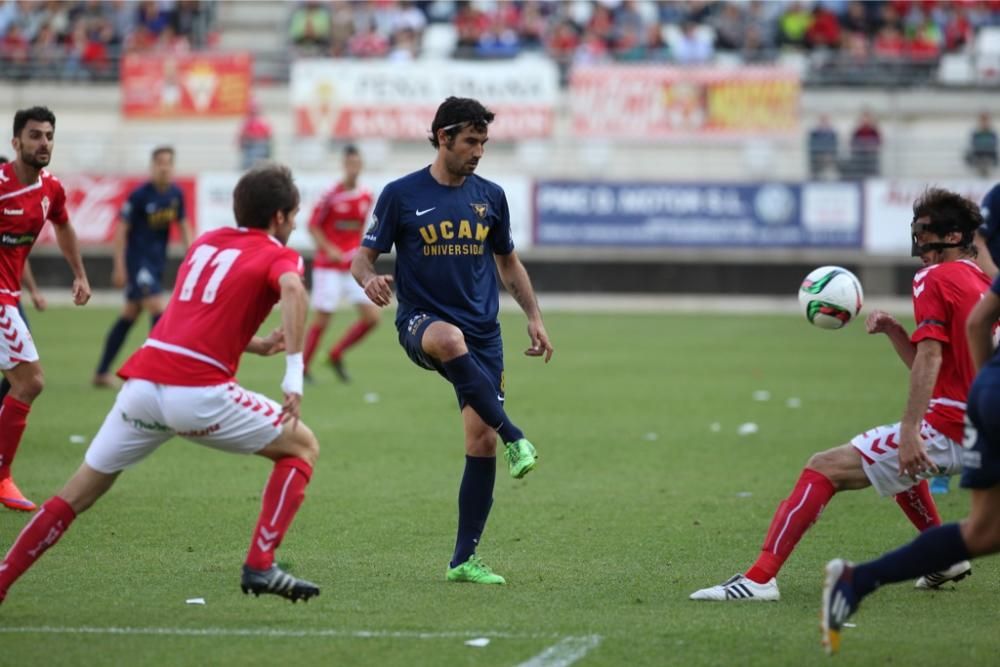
point(978, 534)
point(141, 253)
point(451, 230)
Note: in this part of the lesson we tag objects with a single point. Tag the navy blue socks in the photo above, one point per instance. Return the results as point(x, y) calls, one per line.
point(477, 391)
point(934, 550)
point(114, 342)
point(475, 498)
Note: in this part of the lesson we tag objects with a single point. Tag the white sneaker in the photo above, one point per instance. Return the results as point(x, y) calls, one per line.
point(956, 572)
point(739, 587)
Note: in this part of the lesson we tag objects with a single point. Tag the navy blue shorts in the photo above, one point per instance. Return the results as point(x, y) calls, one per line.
point(487, 353)
point(143, 283)
point(981, 455)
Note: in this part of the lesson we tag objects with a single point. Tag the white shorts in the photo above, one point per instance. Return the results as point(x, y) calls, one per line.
point(146, 414)
point(16, 344)
point(880, 453)
point(330, 287)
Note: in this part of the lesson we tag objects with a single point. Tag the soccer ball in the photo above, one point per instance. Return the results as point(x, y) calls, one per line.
point(830, 297)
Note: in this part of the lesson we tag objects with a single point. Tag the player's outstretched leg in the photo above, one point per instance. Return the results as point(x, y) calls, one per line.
point(283, 495)
point(839, 602)
point(43, 531)
point(477, 391)
point(112, 344)
point(791, 520)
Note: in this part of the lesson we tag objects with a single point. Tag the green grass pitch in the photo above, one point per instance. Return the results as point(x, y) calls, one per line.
point(637, 501)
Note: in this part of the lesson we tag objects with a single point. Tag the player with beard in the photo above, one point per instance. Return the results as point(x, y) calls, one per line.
point(29, 195)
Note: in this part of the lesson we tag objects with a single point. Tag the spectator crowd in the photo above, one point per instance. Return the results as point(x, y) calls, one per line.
point(573, 31)
point(84, 40)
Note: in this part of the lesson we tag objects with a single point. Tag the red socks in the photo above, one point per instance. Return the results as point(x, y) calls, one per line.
point(312, 340)
point(44, 530)
point(919, 507)
point(284, 493)
point(357, 331)
point(13, 419)
point(792, 519)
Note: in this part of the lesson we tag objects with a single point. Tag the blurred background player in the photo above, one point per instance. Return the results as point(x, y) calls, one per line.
point(337, 223)
point(182, 382)
point(896, 459)
point(451, 230)
point(30, 195)
point(978, 534)
point(140, 252)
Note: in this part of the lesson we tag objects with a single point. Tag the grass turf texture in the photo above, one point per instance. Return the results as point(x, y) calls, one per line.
point(607, 537)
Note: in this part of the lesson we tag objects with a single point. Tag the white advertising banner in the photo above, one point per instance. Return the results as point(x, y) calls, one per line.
point(889, 209)
point(215, 201)
point(352, 99)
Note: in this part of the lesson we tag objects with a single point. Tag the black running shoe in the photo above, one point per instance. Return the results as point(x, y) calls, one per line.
point(276, 581)
point(340, 370)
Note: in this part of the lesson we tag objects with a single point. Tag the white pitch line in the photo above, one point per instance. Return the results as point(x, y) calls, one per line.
point(564, 653)
point(269, 632)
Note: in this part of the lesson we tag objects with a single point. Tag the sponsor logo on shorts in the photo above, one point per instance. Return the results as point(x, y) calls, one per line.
point(414, 323)
point(144, 425)
point(200, 433)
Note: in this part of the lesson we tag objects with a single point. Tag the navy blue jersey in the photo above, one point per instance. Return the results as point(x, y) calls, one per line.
point(149, 214)
point(445, 239)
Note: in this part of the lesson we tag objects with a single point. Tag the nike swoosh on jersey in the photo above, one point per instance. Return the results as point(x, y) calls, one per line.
point(426, 210)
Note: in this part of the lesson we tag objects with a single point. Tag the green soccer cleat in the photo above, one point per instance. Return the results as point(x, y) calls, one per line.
point(520, 456)
point(474, 571)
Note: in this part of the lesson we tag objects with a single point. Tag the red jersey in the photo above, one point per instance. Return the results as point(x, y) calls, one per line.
point(226, 286)
point(943, 295)
point(341, 216)
point(23, 212)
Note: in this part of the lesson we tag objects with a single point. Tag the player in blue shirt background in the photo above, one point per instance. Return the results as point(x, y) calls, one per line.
point(978, 534)
point(140, 252)
point(451, 230)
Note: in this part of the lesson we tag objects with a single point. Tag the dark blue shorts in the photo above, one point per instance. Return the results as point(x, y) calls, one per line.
point(487, 353)
point(143, 282)
point(981, 455)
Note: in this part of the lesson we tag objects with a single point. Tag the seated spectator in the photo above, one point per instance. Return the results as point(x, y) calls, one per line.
point(982, 154)
point(310, 26)
point(824, 31)
point(925, 41)
point(889, 45)
point(692, 47)
point(470, 25)
point(856, 19)
point(368, 43)
point(793, 25)
point(730, 27)
point(533, 26)
point(823, 148)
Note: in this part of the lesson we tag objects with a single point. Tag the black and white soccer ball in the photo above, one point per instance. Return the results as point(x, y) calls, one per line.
point(830, 297)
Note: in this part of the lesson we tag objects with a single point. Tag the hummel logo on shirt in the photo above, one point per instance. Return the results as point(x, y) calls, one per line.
point(13, 211)
point(426, 210)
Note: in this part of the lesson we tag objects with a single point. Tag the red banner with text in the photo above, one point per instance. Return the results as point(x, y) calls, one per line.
point(646, 102)
point(196, 84)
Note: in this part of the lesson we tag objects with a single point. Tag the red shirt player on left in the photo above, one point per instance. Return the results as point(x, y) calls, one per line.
point(182, 383)
point(29, 195)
